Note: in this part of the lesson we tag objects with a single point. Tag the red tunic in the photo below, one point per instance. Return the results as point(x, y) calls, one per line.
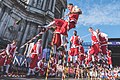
point(109, 60)
point(71, 52)
point(11, 50)
point(34, 59)
point(56, 40)
point(75, 40)
point(95, 49)
point(64, 29)
point(81, 49)
point(2, 57)
point(37, 49)
point(108, 52)
point(74, 51)
point(103, 42)
point(73, 17)
point(43, 67)
point(82, 57)
point(9, 59)
point(88, 60)
point(59, 22)
point(94, 37)
point(102, 38)
point(61, 26)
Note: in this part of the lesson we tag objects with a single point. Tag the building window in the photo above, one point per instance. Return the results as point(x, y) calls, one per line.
point(47, 4)
point(40, 4)
point(52, 5)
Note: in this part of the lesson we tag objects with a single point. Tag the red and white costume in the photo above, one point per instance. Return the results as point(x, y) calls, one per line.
point(109, 61)
point(10, 51)
point(81, 55)
point(71, 52)
point(74, 50)
point(7, 55)
point(73, 17)
point(56, 40)
point(36, 50)
point(88, 58)
point(95, 49)
point(103, 42)
point(115, 74)
point(82, 59)
point(109, 52)
point(42, 67)
point(110, 75)
point(75, 40)
point(81, 49)
point(61, 26)
point(53, 65)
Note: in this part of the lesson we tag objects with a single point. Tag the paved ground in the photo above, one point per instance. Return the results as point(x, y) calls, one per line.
point(29, 79)
point(7, 78)
point(37, 79)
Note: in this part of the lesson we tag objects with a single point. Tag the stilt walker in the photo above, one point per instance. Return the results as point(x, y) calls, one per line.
point(103, 38)
point(95, 48)
point(56, 42)
point(65, 26)
point(75, 40)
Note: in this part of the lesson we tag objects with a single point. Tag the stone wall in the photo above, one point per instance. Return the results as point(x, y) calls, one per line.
point(19, 19)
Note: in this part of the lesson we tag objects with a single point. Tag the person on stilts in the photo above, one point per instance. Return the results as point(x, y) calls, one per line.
point(95, 48)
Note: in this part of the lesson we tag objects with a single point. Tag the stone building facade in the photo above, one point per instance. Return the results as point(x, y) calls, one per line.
point(19, 19)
